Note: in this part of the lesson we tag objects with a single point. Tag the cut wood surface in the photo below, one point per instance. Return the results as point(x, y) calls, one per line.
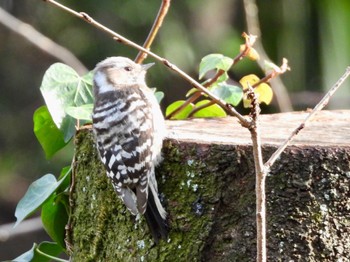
point(328, 128)
point(207, 185)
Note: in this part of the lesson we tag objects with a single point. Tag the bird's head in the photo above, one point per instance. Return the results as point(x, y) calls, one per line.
point(118, 72)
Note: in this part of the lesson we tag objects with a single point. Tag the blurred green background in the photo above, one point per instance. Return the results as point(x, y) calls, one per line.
point(313, 35)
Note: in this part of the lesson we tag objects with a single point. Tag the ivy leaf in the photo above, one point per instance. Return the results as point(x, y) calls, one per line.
point(32, 255)
point(183, 114)
point(159, 96)
point(37, 193)
point(192, 91)
point(49, 248)
point(214, 61)
point(61, 88)
point(55, 217)
point(66, 176)
point(251, 79)
point(263, 91)
point(210, 111)
point(83, 112)
point(229, 93)
point(47, 133)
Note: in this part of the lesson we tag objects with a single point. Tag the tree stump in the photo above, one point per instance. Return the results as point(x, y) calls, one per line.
point(207, 185)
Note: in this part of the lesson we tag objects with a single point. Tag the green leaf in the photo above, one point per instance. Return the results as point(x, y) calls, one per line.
point(214, 61)
point(191, 91)
point(65, 175)
point(47, 133)
point(46, 250)
point(210, 111)
point(61, 88)
point(55, 217)
point(183, 114)
point(37, 193)
point(35, 253)
point(229, 93)
point(83, 112)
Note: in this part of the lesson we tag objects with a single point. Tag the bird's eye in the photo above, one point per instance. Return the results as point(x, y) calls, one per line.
point(128, 68)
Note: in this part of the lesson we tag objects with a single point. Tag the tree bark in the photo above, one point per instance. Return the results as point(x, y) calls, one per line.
point(207, 183)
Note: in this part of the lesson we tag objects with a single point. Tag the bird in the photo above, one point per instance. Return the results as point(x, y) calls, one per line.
point(129, 128)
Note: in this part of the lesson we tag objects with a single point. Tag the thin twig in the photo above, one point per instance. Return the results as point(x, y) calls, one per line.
point(230, 110)
point(276, 72)
point(249, 42)
point(317, 108)
point(260, 176)
point(163, 10)
point(40, 41)
point(251, 14)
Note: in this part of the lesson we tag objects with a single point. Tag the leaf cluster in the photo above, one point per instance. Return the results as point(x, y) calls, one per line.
point(221, 86)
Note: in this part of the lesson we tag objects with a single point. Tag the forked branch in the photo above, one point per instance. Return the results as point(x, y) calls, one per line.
point(230, 109)
point(163, 10)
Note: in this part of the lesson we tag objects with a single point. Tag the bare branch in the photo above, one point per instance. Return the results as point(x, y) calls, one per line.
point(251, 14)
point(163, 10)
point(42, 42)
point(231, 110)
point(249, 41)
point(317, 108)
point(276, 72)
point(260, 173)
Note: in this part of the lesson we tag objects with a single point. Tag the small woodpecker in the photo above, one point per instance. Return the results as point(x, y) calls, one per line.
point(129, 129)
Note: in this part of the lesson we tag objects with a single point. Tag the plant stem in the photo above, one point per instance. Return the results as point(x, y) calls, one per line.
point(260, 177)
point(317, 108)
point(163, 10)
point(230, 109)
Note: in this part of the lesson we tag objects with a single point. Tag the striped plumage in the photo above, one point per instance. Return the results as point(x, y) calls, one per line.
point(129, 130)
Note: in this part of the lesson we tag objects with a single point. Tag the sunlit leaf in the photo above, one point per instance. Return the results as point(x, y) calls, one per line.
point(37, 193)
point(251, 79)
point(263, 92)
point(210, 111)
point(61, 88)
point(191, 91)
point(229, 93)
point(83, 112)
point(183, 114)
point(214, 61)
point(47, 133)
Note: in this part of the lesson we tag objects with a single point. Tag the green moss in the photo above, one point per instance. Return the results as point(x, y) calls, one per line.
point(209, 194)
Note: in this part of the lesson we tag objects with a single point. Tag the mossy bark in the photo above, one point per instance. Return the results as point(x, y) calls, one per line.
point(208, 191)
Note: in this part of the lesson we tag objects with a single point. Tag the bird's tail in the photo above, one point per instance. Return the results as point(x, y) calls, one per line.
point(156, 222)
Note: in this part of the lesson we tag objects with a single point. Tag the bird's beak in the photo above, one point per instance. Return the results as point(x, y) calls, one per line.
point(147, 66)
